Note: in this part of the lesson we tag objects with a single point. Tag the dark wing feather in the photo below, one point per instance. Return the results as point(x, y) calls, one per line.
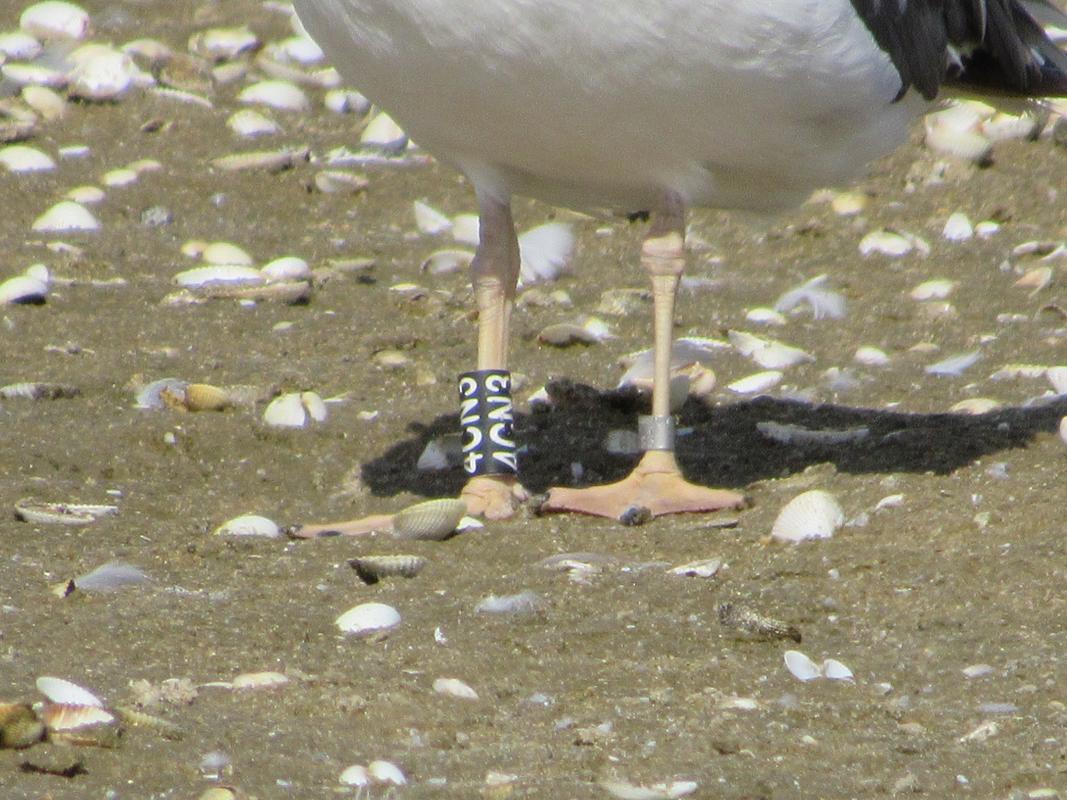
point(991, 46)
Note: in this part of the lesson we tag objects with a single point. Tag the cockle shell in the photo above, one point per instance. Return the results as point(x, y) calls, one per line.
point(804, 669)
point(372, 569)
point(432, 519)
point(811, 515)
point(368, 618)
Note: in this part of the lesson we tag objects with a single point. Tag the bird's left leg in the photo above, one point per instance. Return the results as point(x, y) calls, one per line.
point(656, 484)
point(493, 488)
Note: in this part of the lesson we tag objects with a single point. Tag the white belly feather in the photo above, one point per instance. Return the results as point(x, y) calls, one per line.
point(732, 103)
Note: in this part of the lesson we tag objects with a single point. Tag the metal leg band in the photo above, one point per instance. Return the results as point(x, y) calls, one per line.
point(655, 433)
point(486, 419)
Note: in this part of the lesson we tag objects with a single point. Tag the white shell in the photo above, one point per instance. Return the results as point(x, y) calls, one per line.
point(249, 525)
point(624, 790)
point(382, 132)
point(122, 176)
point(958, 228)
point(19, 46)
point(954, 365)
point(466, 229)
point(336, 181)
point(314, 405)
point(101, 73)
point(64, 216)
point(47, 102)
point(954, 132)
point(386, 772)
point(892, 243)
point(220, 44)
point(63, 692)
point(54, 19)
point(801, 667)
point(936, 289)
point(1057, 376)
point(224, 273)
point(824, 303)
point(356, 775)
point(834, 670)
point(368, 618)
point(455, 688)
point(282, 95)
point(247, 122)
point(1063, 429)
point(705, 568)
point(22, 158)
point(429, 220)
point(871, 356)
point(444, 262)
point(259, 680)
point(220, 253)
point(34, 75)
point(86, 194)
point(756, 382)
point(286, 268)
point(23, 289)
point(811, 515)
point(545, 252)
point(768, 353)
point(286, 411)
point(765, 316)
point(301, 49)
point(346, 101)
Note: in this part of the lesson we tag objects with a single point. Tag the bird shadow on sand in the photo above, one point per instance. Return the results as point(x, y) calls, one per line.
point(722, 445)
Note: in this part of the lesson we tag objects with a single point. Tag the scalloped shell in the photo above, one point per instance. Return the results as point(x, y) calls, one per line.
point(811, 515)
point(432, 519)
point(372, 569)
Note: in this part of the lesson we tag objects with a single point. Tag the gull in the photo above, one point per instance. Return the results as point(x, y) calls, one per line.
point(656, 106)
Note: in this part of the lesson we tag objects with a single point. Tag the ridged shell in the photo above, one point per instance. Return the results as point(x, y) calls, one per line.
point(19, 726)
point(811, 515)
point(61, 513)
point(372, 569)
point(433, 519)
point(205, 397)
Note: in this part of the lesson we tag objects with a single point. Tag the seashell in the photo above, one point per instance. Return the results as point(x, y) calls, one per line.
point(565, 334)
point(335, 181)
point(768, 353)
point(801, 666)
point(19, 726)
point(64, 692)
point(220, 44)
point(279, 94)
point(386, 772)
point(937, 289)
point(445, 262)
point(23, 290)
point(765, 316)
point(205, 397)
point(151, 394)
point(54, 19)
point(756, 382)
point(368, 618)
point(269, 160)
point(286, 268)
point(454, 687)
point(100, 73)
point(871, 356)
point(66, 216)
point(812, 515)
point(23, 158)
point(1035, 279)
point(383, 133)
point(115, 178)
point(975, 406)
point(33, 75)
point(466, 229)
point(799, 435)
point(110, 577)
point(891, 243)
point(545, 252)
point(987, 229)
point(624, 790)
point(429, 220)
point(1003, 127)
point(249, 525)
point(46, 102)
point(432, 519)
point(526, 602)
point(705, 568)
point(849, 204)
point(79, 725)
point(958, 228)
point(286, 411)
point(86, 195)
point(219, 793)
point(346, 101)
point(314, 405)
point(38, 391)
point(1063, 429)
point(955, 132)
point(824, 303)
point(231, 274)
point(61, 513)
point(355, 775)
point(249, 123)
point(259, 680)
point(954, 365)
point(1057, 376)
point(372, 569)
point(834, 670)
point(19, 46)
point(301, 49)
point(226, 253)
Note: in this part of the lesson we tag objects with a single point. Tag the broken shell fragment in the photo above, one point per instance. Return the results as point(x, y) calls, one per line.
point(259, 680)
point(61, 513)
point(368, 618)
point(432, 519)
point(454, 687)
point(372, 569)
point(811, 515)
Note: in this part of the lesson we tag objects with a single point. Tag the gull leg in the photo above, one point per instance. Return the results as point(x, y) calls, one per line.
point(494, 274)
point(656, 483)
